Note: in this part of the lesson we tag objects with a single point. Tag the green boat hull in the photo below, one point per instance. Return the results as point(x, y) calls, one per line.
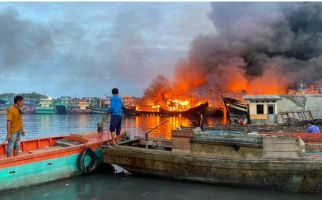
point(45, 110)
point(41, 172)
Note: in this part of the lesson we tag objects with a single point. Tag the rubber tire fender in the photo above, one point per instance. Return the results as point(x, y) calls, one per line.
point(93, 164)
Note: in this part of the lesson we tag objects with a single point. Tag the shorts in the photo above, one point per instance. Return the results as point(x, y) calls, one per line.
point(14, 143)
point(116, 124)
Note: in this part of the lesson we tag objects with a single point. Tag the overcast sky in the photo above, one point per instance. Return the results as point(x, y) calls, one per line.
point(85, 49)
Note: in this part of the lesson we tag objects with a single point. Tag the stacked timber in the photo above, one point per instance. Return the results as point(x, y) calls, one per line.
point(294, 117)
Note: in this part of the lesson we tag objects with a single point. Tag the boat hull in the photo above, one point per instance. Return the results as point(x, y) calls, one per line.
point(40, 172)
point(297, 175)
point(61, 109)
point(80, 111)
point(47, 159)
point(202, 108)
point(98, 110)
point(45, 110)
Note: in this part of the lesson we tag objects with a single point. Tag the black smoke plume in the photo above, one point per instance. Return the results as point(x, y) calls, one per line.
point(257, 48)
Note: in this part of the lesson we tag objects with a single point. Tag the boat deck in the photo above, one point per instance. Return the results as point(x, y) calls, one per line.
point(53, 145)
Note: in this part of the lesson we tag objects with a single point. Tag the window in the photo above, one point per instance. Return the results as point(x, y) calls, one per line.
point(260, 109)
point(270, 109)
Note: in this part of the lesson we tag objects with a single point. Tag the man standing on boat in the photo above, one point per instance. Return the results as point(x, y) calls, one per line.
point(15, 126)
point(116, 116)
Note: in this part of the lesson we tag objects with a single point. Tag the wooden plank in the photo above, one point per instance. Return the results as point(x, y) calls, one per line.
point(281, 147)
point(281, 155)
point(296, 116)
point(279, 119)
point(280, 139)
point(285, 118)
point(258, 117)
point(308, 115)
point(302, 116)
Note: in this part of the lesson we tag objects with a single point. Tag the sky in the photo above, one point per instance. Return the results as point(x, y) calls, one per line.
point(85, 49)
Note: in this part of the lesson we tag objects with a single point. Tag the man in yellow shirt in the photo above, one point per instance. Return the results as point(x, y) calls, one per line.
point(15, 126)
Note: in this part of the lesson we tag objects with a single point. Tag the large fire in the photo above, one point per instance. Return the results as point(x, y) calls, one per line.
point(169, 104)
point(193, 87)
point(251, 53)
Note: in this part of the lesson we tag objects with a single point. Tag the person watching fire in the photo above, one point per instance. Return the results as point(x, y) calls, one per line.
point(115, 110)
point(15, 126)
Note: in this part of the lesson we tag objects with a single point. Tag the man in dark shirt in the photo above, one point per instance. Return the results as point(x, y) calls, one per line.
point(116, 115)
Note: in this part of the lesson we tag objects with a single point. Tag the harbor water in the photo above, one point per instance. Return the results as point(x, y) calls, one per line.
point(45, 125)
point(104, 185)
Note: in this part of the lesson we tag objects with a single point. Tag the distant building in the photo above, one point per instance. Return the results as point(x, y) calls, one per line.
point(263, 108)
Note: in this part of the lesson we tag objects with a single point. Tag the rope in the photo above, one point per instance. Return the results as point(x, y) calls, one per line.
point(105, 119)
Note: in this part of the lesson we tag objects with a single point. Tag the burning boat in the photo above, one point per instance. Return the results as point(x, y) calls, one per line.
point(169, 107)
point(235, 109)
point(190, 112)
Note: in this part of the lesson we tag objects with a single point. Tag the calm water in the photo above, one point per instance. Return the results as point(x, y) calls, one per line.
point(106, 186)
point(49, 125)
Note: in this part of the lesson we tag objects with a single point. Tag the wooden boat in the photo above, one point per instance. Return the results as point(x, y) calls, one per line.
point(236, 109)
point(269, 162)
point(190, 112)
point(202, 108)
point(133, 112)
point(47, 159)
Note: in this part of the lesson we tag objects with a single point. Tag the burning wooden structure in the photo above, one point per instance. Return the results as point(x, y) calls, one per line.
point(236, 110)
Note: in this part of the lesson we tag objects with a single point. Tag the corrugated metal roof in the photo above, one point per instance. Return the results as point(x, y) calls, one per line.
point(262, 97)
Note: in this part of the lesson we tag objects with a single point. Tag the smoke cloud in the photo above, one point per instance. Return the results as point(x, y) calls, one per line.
point(258, 48)
point(84, 49)
point(21, 40)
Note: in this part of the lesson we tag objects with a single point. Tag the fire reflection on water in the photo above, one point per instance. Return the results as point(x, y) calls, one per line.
point(140, 124)
point(52, 125)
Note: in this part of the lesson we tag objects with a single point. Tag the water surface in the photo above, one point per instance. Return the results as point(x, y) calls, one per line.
point(105, 186)
point(37, 125)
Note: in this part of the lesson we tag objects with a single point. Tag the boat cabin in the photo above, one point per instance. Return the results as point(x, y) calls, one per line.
point(83, 104)
point(263, 109)
point(46, 102)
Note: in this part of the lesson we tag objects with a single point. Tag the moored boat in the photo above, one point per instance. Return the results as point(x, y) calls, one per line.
point(47, 159)
point(101, 106)
point(270, 162)
point(98, 110)
point(45, 106)
point(80, 107)
point(195, 111)
point(61, 108)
